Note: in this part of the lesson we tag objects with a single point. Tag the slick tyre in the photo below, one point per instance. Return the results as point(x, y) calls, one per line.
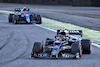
point(10, 18)
point(39, 19)
point(37, 47)
point(86, 45)
point(76, 49)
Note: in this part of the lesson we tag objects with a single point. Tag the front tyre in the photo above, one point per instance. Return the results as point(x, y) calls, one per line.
point(37, 48)
point(76, 49)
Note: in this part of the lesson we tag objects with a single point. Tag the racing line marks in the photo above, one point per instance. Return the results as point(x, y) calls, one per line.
point(55, 31)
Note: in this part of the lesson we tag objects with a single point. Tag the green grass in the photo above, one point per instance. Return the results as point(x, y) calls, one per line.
point(87, 33)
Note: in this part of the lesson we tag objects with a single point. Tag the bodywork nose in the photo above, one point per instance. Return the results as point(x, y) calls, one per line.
point(28, 18)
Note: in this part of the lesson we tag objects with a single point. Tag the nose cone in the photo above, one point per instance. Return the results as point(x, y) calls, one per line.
point(55, 51)
point(28, 19)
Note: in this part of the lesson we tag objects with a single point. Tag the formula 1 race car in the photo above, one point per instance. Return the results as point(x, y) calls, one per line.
point(63, 46)
point(24, 16)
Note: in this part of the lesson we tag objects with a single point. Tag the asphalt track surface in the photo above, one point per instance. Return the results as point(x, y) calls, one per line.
point(16, 43)
point(88, 17)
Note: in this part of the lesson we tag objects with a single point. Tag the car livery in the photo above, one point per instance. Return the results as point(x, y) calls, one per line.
point(24, 15)
point(62, 46)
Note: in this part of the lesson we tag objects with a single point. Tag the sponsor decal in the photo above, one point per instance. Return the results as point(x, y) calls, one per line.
point(27, 14)
point(56, 46)
point(54, 52)
point(22, 15)
point(77, 55)
point(42, 55)
point(74, 31)
point(67, 55)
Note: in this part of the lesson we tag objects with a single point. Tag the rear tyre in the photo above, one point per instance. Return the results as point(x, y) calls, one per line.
point(39, 19)
point(86, 45)
point(10, 18)
point(76, 49)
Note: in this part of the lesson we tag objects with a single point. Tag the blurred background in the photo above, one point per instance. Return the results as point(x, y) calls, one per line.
point(57, 2)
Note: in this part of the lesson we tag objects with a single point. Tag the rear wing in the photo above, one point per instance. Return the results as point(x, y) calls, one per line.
point(17, 10)
point(72, 32)
point(76, 32)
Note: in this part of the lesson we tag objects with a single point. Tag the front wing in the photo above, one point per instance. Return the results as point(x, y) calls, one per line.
point(46, 55)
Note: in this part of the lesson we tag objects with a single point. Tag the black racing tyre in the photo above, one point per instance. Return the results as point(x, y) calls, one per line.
point(10, 18)
point(37, 47)
point(76, 48)
point(39, 19)
point(86, 45)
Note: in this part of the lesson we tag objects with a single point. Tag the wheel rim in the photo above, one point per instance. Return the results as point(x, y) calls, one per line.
point(79, 54)
point(13, 19)
point(80, 51)
point(41, 48)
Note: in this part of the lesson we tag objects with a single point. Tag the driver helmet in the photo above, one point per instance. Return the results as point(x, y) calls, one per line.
point(62, 31)
point(24, 8)
point(66, 33)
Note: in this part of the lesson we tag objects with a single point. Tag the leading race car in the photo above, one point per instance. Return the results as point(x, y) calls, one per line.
point(63, 46)
point(24, 16)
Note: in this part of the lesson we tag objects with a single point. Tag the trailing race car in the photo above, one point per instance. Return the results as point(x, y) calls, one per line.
point(25, 16)
point(63, 46)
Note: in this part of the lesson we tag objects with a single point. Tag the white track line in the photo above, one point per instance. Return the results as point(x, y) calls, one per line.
point(96, 45)
point(46, 28)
